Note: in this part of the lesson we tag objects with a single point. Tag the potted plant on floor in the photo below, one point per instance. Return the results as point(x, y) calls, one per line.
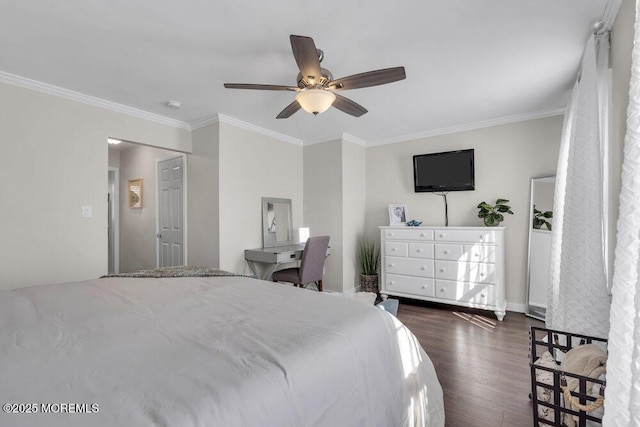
point(492, 215)
point(369, 258)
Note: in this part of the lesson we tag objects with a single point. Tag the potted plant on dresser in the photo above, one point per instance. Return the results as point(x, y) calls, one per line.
point(369, 258)
point(492, 215)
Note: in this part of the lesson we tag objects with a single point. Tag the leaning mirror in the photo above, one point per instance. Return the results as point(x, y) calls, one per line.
point(540, 231)
point(277, 223)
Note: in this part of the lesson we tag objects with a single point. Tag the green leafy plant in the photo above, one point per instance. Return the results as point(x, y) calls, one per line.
point(540, 219)
point(493, 214)
point(369, 257)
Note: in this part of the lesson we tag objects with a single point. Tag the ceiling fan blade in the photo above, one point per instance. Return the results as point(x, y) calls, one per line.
point(259, 87)
point(289, 110)
point(369, 78)
point(306, 55)
point(348, 106)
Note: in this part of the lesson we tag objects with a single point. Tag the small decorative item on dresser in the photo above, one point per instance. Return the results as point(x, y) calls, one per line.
point(369, 262)
point(492, 215)
point(414, 223)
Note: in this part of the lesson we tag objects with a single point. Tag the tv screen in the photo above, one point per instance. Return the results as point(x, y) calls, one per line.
point(447, 171)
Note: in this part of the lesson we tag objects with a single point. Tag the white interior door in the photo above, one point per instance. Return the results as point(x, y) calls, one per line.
point(171, 212)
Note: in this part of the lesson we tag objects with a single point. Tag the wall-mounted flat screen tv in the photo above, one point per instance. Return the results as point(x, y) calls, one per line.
point(446, 171)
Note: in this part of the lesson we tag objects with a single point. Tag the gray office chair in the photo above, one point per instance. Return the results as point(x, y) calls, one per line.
point(311, 267)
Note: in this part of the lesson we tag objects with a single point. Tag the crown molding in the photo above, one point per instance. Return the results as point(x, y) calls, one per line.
point(337, 137)
point(221, 118)
point(323, 139)
point(48, 89)
point(204, 121)
point(468, 126)
point(354, 140)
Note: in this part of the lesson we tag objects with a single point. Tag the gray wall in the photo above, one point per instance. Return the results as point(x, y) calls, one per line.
point(57, 162)
point(506, 157)
point(203, 187)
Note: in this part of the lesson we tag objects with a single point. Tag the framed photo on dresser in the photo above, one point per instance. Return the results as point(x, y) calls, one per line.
point(398, 214)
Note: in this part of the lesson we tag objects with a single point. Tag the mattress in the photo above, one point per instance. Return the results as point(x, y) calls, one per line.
point(207, 351)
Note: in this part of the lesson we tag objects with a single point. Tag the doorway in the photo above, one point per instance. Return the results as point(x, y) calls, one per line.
point(113, 226)
point(133, 244)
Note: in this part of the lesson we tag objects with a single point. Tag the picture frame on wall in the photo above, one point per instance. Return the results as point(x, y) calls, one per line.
point(398, 214)
point(135, 193)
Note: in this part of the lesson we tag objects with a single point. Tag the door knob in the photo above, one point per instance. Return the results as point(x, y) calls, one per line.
point(159, 236)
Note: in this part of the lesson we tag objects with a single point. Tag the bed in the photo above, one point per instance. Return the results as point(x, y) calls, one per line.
point(207, 351)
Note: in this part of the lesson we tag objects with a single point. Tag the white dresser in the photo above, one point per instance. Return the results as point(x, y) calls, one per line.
point(452, 265)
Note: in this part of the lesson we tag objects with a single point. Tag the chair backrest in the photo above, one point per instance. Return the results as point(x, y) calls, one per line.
point(312, 264)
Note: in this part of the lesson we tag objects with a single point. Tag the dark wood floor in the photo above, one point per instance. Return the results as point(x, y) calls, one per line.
point(483, 369)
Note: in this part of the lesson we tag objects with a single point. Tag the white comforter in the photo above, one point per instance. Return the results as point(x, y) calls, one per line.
point(218, 351)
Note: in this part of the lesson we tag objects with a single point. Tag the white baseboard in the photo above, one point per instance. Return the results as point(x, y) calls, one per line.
point(518, 308)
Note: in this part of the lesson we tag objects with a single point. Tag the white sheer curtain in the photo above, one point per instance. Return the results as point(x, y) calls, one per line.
point(578, 294)
point(622, 399)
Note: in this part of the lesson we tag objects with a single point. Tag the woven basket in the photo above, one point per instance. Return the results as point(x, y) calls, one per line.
point(369, 283)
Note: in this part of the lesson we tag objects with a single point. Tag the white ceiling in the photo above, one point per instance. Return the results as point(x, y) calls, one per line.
point(468, 63)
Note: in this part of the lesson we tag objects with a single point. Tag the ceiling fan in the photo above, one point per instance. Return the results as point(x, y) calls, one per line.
point(316, 89)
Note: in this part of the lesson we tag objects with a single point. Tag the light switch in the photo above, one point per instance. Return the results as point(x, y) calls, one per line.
point(87, 211)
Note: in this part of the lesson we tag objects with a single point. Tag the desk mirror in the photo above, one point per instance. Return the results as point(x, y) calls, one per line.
point(540, 229)
point(277, 222)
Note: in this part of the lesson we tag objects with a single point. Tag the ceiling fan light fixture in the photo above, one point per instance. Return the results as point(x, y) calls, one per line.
point(315, 101)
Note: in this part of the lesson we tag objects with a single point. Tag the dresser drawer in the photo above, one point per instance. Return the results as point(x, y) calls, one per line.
point(409, 266)
point(396, 248)
point(466, 293)
point(408, 234)
point(421, 250)
point(409, 285)
point(465, 271)
point(449, 252)
point(471, 236)
point(480, 253)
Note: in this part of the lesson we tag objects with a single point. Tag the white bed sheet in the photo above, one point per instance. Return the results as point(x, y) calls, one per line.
point(218, 351)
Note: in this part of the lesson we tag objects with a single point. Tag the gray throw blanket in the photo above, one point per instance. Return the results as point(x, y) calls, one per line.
point(178, 271)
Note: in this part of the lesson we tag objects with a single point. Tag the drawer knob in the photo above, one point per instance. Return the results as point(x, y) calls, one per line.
point(418, 250)
point(483, 296)
point(441, 235)
point(482, 274)
point(389, 234)
point(441, 289)
point(422, 234)
point(477, 255)
point(392, 265)
point(446, 252)
point(424, 267)
point(392, 283)
point(393, 249)
point(424, 287)
point(481, 237)
point(442, 270)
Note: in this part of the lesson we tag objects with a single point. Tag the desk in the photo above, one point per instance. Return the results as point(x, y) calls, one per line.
point(270, 258)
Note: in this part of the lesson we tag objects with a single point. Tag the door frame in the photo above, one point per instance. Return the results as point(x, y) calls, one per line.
point(116, 218)
point(184, 204)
